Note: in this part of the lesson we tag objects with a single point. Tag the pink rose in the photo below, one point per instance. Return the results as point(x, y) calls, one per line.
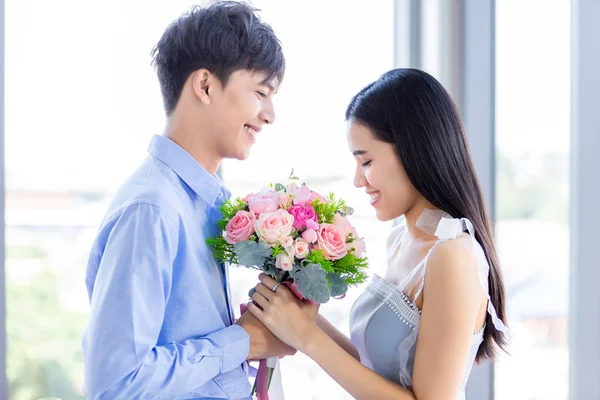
point(310, 235)
point(301, 215)
point(301, 248)
point(284, 262)
point(265, 202)
point(357, 246)
point(240, 227)
point(332, 241)
point(271, 227)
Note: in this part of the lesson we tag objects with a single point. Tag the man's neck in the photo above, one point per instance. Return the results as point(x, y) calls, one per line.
point(196, 142)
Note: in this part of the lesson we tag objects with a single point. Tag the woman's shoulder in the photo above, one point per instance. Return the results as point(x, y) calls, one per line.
point(454, 264)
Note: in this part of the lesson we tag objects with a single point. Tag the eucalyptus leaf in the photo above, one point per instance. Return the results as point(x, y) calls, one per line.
point(337, 285)
point(252, 253)
point(312, 282)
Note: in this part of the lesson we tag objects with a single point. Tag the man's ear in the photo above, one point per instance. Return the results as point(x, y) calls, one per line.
point(202, 84)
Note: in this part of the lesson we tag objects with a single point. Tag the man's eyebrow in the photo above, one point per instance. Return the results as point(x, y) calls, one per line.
point(269, 83)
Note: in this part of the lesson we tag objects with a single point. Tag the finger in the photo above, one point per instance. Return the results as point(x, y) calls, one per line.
point(267, 280)
point(265, 291)
point(260, 300)
point(255, 310)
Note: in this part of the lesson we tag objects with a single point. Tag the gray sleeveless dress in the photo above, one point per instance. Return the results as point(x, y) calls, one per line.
point(384, 321)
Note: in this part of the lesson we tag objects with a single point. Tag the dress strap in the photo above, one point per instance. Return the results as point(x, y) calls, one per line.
point(484, 270)
point(445, 227)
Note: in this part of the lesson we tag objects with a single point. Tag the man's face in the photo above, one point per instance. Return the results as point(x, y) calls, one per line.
point(239, 110)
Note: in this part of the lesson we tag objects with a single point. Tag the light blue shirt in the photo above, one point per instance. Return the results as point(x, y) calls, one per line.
point(161, 320)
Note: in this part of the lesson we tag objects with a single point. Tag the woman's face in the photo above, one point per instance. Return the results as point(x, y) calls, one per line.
point(380, 172)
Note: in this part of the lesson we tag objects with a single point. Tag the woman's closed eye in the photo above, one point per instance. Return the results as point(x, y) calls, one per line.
point(261, 94)
point(367, 163)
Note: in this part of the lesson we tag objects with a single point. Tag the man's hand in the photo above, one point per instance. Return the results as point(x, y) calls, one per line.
point(263, 344)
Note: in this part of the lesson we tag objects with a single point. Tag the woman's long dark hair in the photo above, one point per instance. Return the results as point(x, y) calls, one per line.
point(411, 110)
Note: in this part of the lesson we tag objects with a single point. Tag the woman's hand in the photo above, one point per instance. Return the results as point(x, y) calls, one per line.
point(290, 319)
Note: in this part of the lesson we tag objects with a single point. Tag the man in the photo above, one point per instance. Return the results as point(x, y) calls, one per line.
point(161, 323)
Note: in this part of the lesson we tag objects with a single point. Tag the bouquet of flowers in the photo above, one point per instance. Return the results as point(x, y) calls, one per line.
point(294, 235)
point(297, 237)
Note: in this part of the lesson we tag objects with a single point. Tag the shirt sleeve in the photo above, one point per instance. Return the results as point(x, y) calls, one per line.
point(129, 295)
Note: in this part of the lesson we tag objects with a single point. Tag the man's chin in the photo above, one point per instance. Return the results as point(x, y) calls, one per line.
point(242, 155)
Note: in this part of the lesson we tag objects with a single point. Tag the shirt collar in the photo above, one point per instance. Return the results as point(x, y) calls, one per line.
point(207, 186)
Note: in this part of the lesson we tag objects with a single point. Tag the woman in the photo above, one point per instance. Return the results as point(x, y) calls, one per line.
point(417, 332)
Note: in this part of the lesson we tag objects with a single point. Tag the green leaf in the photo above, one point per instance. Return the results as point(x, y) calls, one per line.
point(252, 253)
point(312, 282)
point(337, 285)
point(223, 251)
point(327, 211)
point(317, 257)
point(279, 187)
point(351, 268)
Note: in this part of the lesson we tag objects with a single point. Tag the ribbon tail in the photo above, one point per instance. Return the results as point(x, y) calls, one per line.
point(262, 384)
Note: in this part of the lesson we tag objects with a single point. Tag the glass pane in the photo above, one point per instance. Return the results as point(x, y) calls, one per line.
point(341, 52)
point(532, 125)
point(82, 103)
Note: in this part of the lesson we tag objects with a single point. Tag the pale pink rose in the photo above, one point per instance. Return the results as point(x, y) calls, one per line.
point(288, 244)
point(263, 202)
point(301, 248)
point(271, 227)
point(314, 196)
point(343, 224)
point(287, 241)
point(301, 215)
point(312, 224)
point(332, 241)
point(284, 262)
point(285, 200)
point(310, 235)
point(357, 245)
point(300, 194)
point(303, 195)
point(292, 189)
point(240, 227)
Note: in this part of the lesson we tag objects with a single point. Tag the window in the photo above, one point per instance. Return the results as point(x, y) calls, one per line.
point(331, 53)
point(82, 103)
point(532, 193)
